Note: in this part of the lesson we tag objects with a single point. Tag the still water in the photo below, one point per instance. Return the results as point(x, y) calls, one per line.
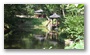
point(28, 36)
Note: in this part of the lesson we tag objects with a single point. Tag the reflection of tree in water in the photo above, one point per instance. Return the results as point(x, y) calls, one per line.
point(26, 37)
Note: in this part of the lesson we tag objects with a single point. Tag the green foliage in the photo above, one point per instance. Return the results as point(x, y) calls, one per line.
point(73, 9)
point(76, 45)
point(80, 6)
point(74, 25)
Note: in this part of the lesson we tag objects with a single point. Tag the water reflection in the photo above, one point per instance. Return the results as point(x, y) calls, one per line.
point(29, 38)
point(25, 40)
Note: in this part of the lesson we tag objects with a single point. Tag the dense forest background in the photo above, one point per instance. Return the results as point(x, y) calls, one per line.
point(71, 30)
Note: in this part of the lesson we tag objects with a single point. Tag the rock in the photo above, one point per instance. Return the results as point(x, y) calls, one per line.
point(68, 42)
point(53, 42)
point(39, 37)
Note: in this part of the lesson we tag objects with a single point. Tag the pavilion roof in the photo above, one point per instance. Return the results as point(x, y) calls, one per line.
point(54, 16)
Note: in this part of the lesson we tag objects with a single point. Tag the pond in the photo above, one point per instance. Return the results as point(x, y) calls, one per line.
point(31, 34)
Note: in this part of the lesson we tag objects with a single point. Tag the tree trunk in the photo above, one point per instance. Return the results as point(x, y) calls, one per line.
point(63, 12)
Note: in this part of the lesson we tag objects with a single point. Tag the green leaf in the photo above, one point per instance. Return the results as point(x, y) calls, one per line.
point(80, 5)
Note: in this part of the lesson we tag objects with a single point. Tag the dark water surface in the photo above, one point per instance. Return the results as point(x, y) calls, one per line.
point(29, 35)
